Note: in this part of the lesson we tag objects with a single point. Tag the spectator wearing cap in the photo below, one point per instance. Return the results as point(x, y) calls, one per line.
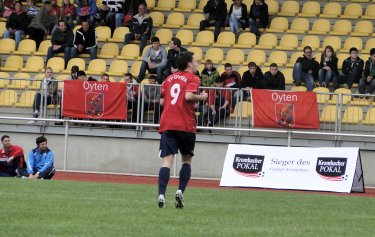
point(174, 52)
point(16, 24)
point(62, 41)
point(85, 41)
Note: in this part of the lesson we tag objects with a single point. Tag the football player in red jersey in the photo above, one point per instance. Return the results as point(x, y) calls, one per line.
point(178, 124)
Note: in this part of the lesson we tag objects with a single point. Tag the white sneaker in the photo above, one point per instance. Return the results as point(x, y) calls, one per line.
point(179, 199)
point(162, 203)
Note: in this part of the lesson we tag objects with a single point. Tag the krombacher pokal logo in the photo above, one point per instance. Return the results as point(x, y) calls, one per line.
point(248, 165)
point(332, 168)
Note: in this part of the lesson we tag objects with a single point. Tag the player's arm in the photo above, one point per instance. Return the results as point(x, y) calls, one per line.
point(192, 97)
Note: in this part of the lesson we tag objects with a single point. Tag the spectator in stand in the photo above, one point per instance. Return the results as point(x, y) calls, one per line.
point(8, 6)
point(86, 10)
point(328, 66)
point(174, 52)
point(131, 96)
point(369, 74)
point(306, 69)
point(41, 24)
point(130, 8)
point(16, 24)
point(252, 78)
point(352, 68)
point(217, 10)
point(152, 98)
point(209, 74)
point(219, 101)
point(154, 60)
point(68, 13)
point(274, 79)
point(104, 78)
point(55, 9)
point(40, 162)
point(111, 12)
point(81, 75)
point(74, 73)
point(62, 41)
point(237, 16)
point(258, 16)
point(12, 161)
point(85, 41)
point(140, 27)
point(231, 78)
point(32, 10)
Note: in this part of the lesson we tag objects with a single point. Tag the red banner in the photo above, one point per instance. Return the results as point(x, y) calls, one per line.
point(95, 100)
point(284, 109)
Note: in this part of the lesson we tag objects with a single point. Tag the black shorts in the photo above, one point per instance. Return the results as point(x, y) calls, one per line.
point(172, 141)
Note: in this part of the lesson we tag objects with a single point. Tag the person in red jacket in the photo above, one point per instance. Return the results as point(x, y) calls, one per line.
point(68, 13)
point(219, 101)
point(12, 162)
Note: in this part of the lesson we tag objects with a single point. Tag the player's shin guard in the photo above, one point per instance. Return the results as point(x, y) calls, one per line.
point(164, 175)
point(185, 174)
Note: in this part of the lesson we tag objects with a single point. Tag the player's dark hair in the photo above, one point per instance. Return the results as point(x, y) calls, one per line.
point(184, 59)
point(40, 139)
point(3, 137)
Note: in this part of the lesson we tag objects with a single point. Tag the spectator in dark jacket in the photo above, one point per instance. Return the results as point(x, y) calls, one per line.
point(217, 10)
point(258, 16)
point(252, 78)
point(111, 12)
point(174, 52)
point(131, 6)
point(237, 16)
point(369, 74)
point(306, 69)
point(16, 24)
point(85, 41)
point(352, 68)
point(62, 41)
point(274, 79)
point(140, 27)
point(328, 66)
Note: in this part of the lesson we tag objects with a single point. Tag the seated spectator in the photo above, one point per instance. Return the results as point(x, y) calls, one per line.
point(140, 27)
point(40, 162)
point(111, 12)
point(68, 13)
point(328, 66)
point(252, 78)
point(152, 98)
point(48, 90)
point(12, 161)
point(16, 24)
point(237, 16)
point(130, 9)
point(174, 52)
point(217, 13)
point(154, 60)
point(85, 41)
point(131, 96)
point(41, 24)
point(32, 10)
point(258, 16)
point(104, 78)
point(8, 6)
point(81, 75)
point(352, 68)
point(219, 101)
point(306, 69)
point(62, 41)
point(55, 9)
point(86, 11)
point(209, 74)
point(231, 78)
point(274, 79)
point(74, 73)
point(369, 74)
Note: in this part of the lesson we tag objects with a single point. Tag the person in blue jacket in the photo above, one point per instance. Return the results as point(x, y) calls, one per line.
point(40, 162)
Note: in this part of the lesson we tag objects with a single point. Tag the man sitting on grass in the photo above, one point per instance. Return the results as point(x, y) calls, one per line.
point(40, 162)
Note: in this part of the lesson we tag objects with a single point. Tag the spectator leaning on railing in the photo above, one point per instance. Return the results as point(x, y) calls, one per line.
point(252, 78)
point(209, 74)
point(274, 79)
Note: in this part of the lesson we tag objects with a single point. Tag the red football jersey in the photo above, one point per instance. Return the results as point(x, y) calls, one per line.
point(178, 113)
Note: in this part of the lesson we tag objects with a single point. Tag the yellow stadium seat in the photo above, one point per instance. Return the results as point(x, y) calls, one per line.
point(235, 57)
point(103, 33)
point(57, 64)
point(36, 84)
point(242, 70)
point(294, 58)
point(299, 26)
point(136, 67)
point(363, 28)
point(109, 50)
point(43, 48)
point(204, 38)
point(267, 41)
point(289, 8)
point(200, 67)
point(242, 109)
point(186, 6)
point(118, 68)
point(362, 0)
point(33, 64)
point(225, 40)
point(352, 115)
point(298, 88)
point(361, 101)
point(278, 57)
point(220, 69)
point(157, 18)
point(193, 21)
point(256, 56)
point(165, 35)
point(310, 40)
point(245, 41)
point(334, 41)
point(4, 81)
point(20, 84)
point(341, 27)
point(370, 117)
point(198, 54)
point(288, 74)
point(76, 28)
point(7, 46)
point(341, 57)
point(186, 36)
point(165, 5)
point(62, 77)
point(352, 11)
point(331, 10)
point(119, 35)
point(96, 67)
point(215, 54)
point(288, 42)
point(278, 25)
point(248, 3)
point(201, 5)
point(370, 43)
point(26, 99)
point(129, 52)
point(337, 98)
point(329, 114)
point(75, 62)
point(26, 47)
point(13, 63)
point(320, 27)
point(8, 98)
point(150, 4)
point(322, 94)
point(2, 28)
point(175, 20)
point(310, 9)
point(370, 12)
point(352, 42)
point(273, 7)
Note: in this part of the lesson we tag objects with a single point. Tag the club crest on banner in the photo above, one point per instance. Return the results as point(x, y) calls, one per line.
point(332, 168)
point(284, 115)
point(249, 165)
point(94, 104)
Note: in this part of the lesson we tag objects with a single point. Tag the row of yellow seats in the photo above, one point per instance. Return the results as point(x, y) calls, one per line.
point(352, 115)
